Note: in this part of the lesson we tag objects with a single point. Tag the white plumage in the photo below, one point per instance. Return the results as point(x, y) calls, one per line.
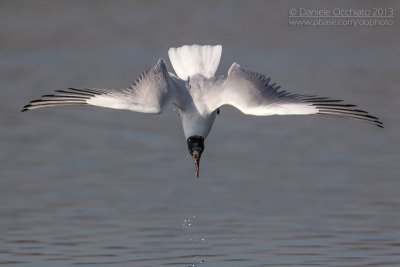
point(199, 95)
point(190, 60)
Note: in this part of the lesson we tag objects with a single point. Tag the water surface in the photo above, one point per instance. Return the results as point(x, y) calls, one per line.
point(92, 186)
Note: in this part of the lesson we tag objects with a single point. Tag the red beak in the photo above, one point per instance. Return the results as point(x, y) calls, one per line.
point(196, 158)
point(196, 163)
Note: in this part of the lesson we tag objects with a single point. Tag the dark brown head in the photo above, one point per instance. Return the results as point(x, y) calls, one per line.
point(196, 147)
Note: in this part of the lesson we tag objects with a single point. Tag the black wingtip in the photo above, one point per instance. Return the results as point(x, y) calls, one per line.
point(379, 123)
point(24, 109)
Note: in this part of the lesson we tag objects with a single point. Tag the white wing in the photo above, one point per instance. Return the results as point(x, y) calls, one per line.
point(253, 94)
point(149, 94)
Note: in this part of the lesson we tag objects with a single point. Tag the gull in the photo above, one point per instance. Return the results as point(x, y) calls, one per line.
point(199, 94)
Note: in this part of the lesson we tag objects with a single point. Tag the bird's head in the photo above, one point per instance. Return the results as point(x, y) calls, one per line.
point(196, 147)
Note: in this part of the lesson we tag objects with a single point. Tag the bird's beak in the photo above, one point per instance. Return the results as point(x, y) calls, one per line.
point(196, 147)
point(196, 155)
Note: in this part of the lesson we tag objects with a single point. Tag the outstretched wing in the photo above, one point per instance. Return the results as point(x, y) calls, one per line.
point(148, 94)
point(253, 94)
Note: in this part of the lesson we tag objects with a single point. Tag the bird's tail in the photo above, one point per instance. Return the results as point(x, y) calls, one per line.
point(189, 60)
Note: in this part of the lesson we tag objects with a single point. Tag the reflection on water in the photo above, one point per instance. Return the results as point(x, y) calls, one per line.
point(91, 186)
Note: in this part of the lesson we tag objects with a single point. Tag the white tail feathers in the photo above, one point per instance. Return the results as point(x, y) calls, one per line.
point(189, 60)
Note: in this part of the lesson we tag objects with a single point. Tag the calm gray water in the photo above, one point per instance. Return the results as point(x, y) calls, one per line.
point(93, 186)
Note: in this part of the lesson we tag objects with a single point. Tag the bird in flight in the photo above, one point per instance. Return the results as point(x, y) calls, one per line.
point(198, 94)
